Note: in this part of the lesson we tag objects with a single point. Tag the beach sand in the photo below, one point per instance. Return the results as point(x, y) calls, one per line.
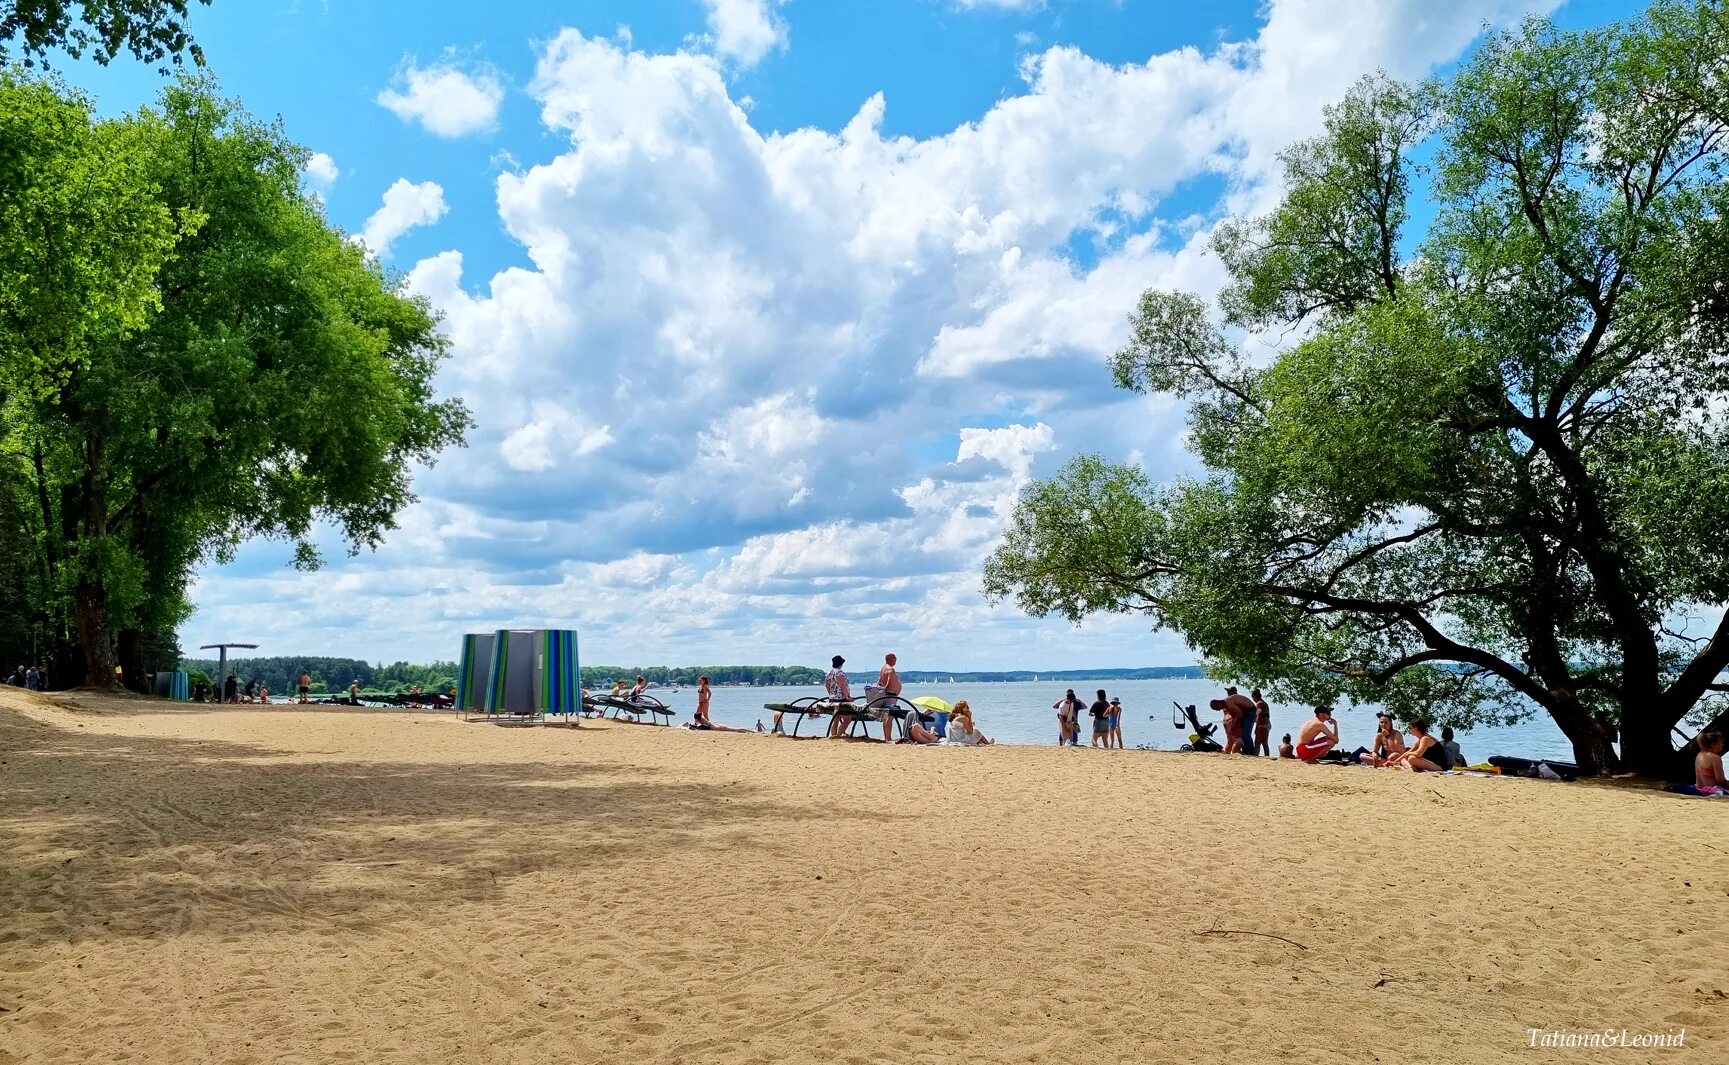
point(280, 887)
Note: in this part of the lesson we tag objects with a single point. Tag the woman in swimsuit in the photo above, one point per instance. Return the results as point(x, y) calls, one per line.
point(1424, 756)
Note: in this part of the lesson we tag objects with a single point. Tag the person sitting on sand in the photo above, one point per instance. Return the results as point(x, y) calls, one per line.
point(1423, 756)
point(918, 731)
point(1708, 776)
point(1455, 759)
point(1318, 735)
point(962, 731)
point(1388, 744)
point(1285, 748)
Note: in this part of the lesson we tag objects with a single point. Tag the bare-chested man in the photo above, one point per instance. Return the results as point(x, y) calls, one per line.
point(889, 685)
point(1318, 735)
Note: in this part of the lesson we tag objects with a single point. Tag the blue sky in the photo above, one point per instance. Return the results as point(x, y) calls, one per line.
point(768, 309)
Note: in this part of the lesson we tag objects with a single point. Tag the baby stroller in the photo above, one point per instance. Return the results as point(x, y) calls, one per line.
point(1202, 738)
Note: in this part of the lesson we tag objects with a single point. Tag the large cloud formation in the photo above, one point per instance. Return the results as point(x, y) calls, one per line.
point(764, 395)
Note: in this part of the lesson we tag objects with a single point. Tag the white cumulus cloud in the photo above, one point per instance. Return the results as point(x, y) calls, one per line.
point(747, 386)
point(445, 99)
point(746, 30)
point(405, 206)
point(321, 170)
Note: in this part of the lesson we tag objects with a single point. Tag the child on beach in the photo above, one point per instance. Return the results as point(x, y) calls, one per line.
point(1285, 748)
point(1116, 735)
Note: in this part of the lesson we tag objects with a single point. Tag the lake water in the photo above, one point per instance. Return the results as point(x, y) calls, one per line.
point(1020, 712)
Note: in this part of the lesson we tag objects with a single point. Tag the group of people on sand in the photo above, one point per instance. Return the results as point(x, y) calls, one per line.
point(955, 727)
point(1106, 713)
point(1248, 722)
point(1318, 741)
point(33, 678)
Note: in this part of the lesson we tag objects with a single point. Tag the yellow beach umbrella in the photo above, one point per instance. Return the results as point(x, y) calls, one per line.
point(931, 703)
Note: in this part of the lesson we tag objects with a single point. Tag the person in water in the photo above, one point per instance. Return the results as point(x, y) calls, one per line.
point(962, 731)
point(1708, 775)
point(1318, 735)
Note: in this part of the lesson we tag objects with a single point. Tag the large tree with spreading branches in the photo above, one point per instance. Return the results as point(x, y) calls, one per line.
point(1488, 475)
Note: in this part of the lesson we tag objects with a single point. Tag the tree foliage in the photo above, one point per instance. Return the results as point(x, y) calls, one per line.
point(154, 31)
point(1492, 474)
point(261, 377)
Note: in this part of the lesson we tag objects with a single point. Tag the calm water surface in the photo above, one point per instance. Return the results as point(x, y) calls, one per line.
point(1020, 712)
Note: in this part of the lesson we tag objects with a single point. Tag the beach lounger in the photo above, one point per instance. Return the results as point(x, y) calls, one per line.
point(656, 711)
point(799, 709)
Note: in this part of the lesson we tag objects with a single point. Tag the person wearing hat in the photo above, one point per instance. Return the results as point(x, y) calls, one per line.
point(838, 692)
point(1318, 735)
point(1116, 735)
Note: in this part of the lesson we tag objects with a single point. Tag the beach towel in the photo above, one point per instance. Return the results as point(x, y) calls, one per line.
point(1697, 792)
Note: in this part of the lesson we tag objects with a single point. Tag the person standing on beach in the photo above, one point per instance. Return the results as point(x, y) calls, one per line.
point(1068, 710)
point(1263, 723)
point(305, 684)
point(889, 690)
point(1101, 714)
point(838, 691)
point(1116, 723)
point(354, 692)
point(1245, 720)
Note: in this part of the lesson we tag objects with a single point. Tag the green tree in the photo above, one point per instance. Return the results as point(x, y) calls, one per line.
point(1494, 474)
point(281, 382)
point(152, 30)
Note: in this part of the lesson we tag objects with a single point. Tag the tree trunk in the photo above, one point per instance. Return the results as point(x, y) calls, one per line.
point(91, 606)
point(1645, 745)
point(90, 597)
point(133, 668)
point(1592, 748)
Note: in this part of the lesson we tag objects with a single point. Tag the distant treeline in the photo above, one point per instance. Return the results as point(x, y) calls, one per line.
point(760, 676)
point(1140, 673)
point(334, 674)
point(331, 674)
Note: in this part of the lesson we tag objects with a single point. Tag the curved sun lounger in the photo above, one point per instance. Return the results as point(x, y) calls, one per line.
point(657, 712)
point(858, 713)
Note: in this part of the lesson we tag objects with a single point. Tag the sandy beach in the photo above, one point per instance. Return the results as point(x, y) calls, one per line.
point(286, 887)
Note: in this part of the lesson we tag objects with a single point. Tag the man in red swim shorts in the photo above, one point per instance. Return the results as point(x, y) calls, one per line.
point(1318, 736)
